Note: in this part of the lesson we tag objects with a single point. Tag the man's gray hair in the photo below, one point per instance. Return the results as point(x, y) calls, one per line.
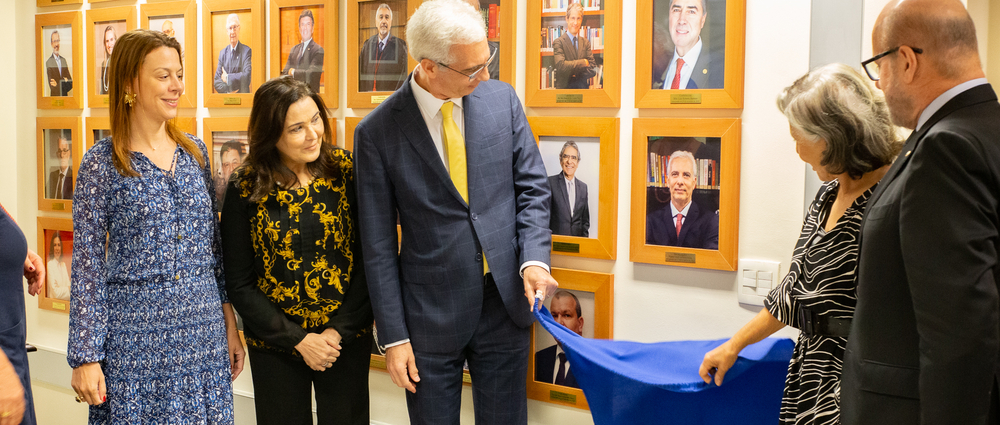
point(570, 144)
point(571, 7)
point(439, 24)
point(383, 6)
point(683, 154)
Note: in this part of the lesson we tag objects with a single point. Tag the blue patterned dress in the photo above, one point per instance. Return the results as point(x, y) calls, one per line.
point(148, 307)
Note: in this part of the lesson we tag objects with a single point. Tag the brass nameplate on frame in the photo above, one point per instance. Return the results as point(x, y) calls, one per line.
point(59, 206)
point(59, 306)
point(569, 98)
point(232, 101)
point(566, 247)
point(58, 102)
point(686, 98)
point(106, 101)
point(677, 257)
point(561, 396)
point(379, 99)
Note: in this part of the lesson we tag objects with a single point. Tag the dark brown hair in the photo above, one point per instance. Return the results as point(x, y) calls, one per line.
point(263, 168)
point(130, 53)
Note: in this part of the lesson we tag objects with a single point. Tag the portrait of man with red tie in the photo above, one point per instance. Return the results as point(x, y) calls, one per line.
point(682, 222)
point(696, 60)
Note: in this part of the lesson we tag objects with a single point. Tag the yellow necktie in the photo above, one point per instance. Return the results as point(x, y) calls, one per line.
point(454, 148)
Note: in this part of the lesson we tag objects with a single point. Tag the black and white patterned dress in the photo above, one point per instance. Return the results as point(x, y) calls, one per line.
point(820, 279)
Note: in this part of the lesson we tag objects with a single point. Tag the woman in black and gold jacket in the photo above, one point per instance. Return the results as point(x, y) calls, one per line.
point(293, 263)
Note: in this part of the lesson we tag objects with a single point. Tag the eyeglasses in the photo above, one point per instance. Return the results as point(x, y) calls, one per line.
point(871, 67)
point(475, 72)
point(573, 157)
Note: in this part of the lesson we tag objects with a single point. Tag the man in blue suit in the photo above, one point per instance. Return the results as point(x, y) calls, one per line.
point(232, 74)
point(551, 365)
point(435, 304)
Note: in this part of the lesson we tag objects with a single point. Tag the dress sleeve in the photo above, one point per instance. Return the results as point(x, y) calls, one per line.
point(88, 310)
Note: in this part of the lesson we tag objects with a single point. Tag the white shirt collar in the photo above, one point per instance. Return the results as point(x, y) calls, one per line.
point(428, 104)
point(673, 210)
point(306, 43)
point(383, 40)
point(689, 60)
point(950, 94)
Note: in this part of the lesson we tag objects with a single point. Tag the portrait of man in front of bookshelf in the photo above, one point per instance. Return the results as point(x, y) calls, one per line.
point(572, 44)
point(683, 177)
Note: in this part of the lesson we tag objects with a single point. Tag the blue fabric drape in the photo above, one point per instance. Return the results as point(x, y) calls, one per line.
point(638, 383)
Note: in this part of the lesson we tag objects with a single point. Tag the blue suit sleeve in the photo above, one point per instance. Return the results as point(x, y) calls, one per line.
point(532, 195)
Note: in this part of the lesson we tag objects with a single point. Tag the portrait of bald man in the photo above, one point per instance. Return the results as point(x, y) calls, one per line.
point(232, 74)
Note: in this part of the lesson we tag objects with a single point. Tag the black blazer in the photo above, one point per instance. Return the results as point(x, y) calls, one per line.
point(700, 229)
point(564, 220)
point(67, 189)
point(309, 68)
point(925, 340)
point(545, 366)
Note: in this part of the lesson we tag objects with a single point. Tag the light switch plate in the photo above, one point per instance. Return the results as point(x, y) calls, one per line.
point(763, 273)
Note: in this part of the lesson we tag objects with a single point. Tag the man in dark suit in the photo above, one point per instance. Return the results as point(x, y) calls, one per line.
point(450, 154)
point(59, 76)
point(571, 51)
point(692, 65)
point(551, 366)
point(925, 338)
point(61, 179)
point(570, 212)
point(383, 57)
point(305, 63)
point(232, 75)
point(682, 223)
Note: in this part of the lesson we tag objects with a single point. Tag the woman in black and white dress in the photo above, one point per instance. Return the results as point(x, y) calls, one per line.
point(841, 128)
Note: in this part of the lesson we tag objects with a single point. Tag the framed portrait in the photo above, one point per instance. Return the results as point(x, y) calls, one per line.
point(228, 143)
point(58, 60)
point(59, 152)
point(178, 19)
point(42, 3)
point(689, 53)
point(581, 160)
point(376, 37)
point(233, 36)
point(304, 44)
point(584, 304)
point(55, 246)
point(685, 200)
point(573, 54)
point(104, 26)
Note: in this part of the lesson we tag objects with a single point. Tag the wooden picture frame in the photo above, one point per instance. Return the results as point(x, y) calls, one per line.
point(654, 40)
point(220, 134)
point(59, 88)
point(350, 124)
point(50, 152)
point(358, 10)
point(285, 23)
point(43, 3)
point(118, 20)
point(595, 294)
point(239, 90)
point(603, 22)
point(602, 181)
point(55, 291)
point(157, 17)
point(717, 189)
point(98, 1)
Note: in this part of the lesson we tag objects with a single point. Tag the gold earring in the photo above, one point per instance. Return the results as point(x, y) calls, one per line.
point(129, 99)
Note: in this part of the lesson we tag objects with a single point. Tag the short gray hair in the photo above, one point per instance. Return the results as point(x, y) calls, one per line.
point(683, 154)
point(572, 6)
point(570, 144)
point(836, 104)
point(383, 6)
point(439, 24)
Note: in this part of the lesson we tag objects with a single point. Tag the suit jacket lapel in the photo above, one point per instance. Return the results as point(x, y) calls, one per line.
point(688, 221)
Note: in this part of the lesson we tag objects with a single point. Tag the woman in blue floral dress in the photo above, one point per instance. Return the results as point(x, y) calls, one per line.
point(152, 335)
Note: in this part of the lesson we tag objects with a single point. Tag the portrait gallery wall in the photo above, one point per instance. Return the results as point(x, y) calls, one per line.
point(684, 171)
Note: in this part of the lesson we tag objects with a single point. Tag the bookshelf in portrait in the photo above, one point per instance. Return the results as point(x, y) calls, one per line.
point(685, 192)
point(304, 44)
point(690, 53)
point(584, 302)
point(55, 246)
point(500, 19)
point(378, 61)
point(59, 151)
point(177, 19)
point(573, 54)
point(581, 162)
point(104, 26)
point(233, 52)
point(59, 60)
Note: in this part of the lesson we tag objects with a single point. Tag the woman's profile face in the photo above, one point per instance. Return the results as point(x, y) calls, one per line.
point(56, 247)
point(109, 41)
point(160, 85)
point(302, 136)
point(811, 152)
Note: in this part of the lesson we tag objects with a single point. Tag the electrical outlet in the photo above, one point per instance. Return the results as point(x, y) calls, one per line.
point(755, 279)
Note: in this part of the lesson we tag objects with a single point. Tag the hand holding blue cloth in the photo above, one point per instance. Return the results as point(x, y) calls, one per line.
point(657, 383)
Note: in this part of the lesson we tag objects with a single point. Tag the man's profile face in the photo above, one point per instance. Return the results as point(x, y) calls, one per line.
point(383, 20)
point(64, 154)
point(167, 28)
point(574, 20)
point(230, 160)
point(687, 17)
point(569, 160)
point(233, 27)
point(901, 104)
point(563, 309)
point(468, 57)
point(681, 181)
point(55, 42)
point(305, 27)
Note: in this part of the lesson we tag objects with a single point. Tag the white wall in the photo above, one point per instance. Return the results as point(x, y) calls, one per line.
point(652, 303)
